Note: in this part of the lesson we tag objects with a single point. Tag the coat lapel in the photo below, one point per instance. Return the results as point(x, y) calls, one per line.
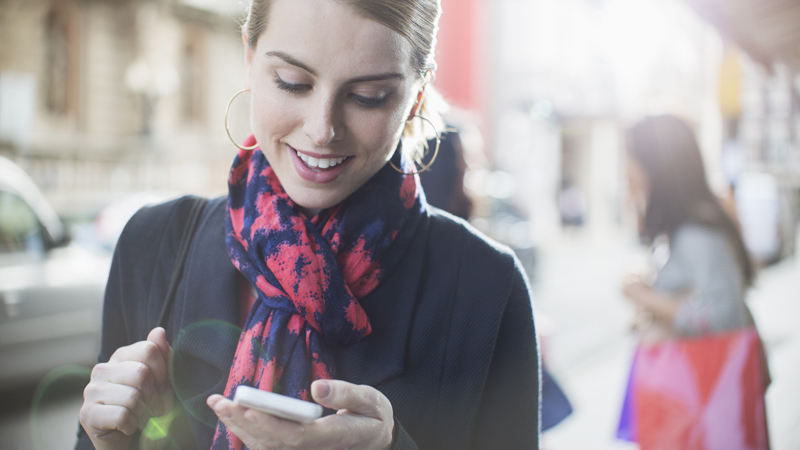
point(390, 308)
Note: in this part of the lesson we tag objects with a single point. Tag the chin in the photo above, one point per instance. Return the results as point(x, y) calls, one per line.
point(307, 198)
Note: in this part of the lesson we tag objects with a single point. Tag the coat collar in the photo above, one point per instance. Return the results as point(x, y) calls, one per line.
point(205, 312)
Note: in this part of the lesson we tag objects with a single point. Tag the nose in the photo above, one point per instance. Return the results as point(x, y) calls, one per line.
point(321, 124)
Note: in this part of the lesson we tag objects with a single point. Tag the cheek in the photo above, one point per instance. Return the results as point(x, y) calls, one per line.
point(270, 113)
point(641, 184)
point(633, 186)
point(379, 133)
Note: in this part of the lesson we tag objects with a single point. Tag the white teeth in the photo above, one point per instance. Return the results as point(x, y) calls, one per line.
point(322, 163)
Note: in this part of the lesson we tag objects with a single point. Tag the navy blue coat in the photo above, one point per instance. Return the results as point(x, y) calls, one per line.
point(453, 344)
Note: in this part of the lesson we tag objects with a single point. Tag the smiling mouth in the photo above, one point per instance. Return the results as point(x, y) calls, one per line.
point(320, 163)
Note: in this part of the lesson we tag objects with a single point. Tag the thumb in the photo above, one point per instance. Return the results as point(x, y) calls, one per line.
point(358, 399)
point(158, 336)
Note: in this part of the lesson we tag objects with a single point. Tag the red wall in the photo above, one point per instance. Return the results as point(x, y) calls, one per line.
point(458, 53)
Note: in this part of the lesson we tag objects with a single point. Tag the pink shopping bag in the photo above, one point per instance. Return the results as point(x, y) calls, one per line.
point(703, 393)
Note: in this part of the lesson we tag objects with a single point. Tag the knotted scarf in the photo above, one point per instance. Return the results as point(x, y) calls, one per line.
point(309, 274)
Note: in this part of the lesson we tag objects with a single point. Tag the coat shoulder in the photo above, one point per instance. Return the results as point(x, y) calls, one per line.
point(144, 261)
point(484, 271)
point(160, 224)
point(468, 245)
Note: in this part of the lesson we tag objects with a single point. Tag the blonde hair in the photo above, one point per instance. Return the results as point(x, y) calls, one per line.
point(415, 20)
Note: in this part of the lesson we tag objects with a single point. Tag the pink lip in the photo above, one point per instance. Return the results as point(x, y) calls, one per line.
point(317, 175)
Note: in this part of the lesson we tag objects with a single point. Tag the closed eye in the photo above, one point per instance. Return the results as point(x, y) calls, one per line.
point(294, 88)
point(370, 102)
point(361, 100)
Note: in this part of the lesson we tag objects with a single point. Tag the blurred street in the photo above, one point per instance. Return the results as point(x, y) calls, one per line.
point(54, 425)
point(590, 349)
point(590, 346)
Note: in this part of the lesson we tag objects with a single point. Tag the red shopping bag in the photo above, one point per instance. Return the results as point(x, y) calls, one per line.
point(703, 393)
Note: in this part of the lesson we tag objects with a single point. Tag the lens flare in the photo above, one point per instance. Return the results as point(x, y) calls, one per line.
point(64, 375)
point(190, 348)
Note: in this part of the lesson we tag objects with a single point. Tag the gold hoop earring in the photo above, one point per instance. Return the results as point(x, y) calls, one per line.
point(228, 130)
point(435, 151)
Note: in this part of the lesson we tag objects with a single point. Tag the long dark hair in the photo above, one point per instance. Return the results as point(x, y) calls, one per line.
point(666, 149)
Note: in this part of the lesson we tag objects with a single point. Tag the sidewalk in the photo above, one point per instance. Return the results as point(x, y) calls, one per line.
point(775, 303)
point(590, 350)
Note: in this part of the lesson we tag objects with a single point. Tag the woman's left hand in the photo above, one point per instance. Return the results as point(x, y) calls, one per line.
point(364, 421)
point(663, 306)
point(635, 289)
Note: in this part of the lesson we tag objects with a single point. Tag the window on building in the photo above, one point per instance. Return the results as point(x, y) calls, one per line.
point(193, 74)
point(60, 59)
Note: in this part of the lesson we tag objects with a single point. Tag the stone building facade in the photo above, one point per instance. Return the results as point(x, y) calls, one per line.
point(101, 97)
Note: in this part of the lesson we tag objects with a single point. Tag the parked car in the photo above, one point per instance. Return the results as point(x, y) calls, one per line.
point(51, 288)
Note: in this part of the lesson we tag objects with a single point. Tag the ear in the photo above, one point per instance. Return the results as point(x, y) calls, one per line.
point(417, 103)
point(248, 59)
point(427, 78)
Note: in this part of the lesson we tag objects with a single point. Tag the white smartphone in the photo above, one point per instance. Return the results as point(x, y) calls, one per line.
point(277, 404)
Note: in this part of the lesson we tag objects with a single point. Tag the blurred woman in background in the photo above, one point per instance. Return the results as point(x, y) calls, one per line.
point(701, 288)
point(698, 337)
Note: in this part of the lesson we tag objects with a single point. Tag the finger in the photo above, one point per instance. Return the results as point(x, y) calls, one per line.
point(167, 400)
point(99, 419)
point(158, 336)
point(136, 375)
point(263, 431)
point(212, 400)
point(261, 424)
point(347, 429)
point(148, 353)
point(358, 399)
point(121, 395)
point(365, 414)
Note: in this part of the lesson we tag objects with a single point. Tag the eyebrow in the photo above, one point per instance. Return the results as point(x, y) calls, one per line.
point(289, 59)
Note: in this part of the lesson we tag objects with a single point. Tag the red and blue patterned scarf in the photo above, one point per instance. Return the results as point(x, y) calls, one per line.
point(309, 273)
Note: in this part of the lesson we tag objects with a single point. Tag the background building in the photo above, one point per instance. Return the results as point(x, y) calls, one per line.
point(103, 96)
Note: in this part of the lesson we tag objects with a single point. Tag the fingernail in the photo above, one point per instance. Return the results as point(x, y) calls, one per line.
point(252, 418)
point(323, 389)
point(223, 412)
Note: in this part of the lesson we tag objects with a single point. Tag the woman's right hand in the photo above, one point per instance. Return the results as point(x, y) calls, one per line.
point(124, 393)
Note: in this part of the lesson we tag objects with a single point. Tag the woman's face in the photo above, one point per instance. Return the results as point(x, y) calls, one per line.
point(638, 186)
point(331, 91)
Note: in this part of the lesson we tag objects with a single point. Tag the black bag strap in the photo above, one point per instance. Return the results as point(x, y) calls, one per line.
point(196, 211)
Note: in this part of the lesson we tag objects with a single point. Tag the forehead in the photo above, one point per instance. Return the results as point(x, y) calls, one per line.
point(330, 35)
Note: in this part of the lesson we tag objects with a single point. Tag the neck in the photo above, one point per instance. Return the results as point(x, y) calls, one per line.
point(308, 212)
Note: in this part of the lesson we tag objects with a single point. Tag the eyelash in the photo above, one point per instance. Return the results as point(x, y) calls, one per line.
point(366, 102)
point(294, 88)
point(370, 102)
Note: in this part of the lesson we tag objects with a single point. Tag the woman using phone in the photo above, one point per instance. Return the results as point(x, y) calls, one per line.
point(349, 289)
